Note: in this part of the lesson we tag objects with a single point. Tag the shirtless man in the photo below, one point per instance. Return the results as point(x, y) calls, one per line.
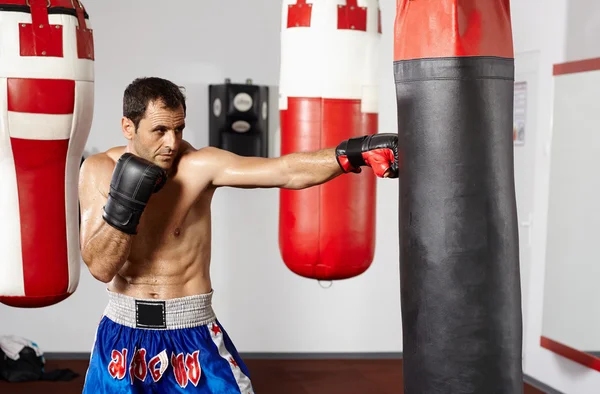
point(145, 231)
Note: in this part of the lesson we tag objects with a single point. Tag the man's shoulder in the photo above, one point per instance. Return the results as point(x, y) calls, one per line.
point(199, 165)
point(199, 156)
point(102, 162)
point(107, 157)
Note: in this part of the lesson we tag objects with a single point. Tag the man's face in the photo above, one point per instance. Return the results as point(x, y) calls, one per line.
point(159, 134)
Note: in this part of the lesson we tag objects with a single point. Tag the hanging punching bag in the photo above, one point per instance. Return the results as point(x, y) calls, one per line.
point(328, 93)
point(459, 252)
point(46, 104)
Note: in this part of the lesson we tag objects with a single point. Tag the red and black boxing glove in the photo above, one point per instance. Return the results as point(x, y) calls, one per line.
point(378, 151)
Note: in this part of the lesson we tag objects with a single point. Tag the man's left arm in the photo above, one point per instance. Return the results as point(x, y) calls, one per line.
point(306, 169)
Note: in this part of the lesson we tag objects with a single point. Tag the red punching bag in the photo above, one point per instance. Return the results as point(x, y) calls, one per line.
point(328, 93)
point(46, 104)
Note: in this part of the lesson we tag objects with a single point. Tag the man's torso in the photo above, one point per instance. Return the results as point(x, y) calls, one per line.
point(170, 255)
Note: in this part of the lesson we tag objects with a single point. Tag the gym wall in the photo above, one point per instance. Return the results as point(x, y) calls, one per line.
point(556, 31)
point(266, 307)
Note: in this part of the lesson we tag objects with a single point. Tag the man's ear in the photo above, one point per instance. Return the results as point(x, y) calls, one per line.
point(128, 128)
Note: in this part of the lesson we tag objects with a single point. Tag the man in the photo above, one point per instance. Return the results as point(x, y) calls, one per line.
point(145, 231)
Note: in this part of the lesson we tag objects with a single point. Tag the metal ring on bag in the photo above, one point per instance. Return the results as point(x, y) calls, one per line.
point(325, 287)
point(78, 2)
point(48, 5)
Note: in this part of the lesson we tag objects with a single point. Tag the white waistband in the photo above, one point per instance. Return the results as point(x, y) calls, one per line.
point(176, 313)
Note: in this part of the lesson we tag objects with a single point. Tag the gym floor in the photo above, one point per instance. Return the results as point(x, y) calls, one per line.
point(271, 377)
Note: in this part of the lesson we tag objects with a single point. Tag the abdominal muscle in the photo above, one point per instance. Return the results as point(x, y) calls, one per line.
point(167, 261)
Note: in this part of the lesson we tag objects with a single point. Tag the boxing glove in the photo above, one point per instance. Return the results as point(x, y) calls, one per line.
point(378, 151)
point(134, 180)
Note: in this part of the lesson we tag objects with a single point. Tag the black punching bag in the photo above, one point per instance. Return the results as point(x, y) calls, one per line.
point(239, 118)
point(459, 252)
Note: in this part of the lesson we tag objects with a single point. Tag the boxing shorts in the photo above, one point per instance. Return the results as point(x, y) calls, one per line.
point(168, 346)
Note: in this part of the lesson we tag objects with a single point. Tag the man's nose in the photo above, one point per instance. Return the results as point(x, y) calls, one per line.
point(170, 139)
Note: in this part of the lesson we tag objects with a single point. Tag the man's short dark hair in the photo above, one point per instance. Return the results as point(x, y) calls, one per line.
point(142, 91)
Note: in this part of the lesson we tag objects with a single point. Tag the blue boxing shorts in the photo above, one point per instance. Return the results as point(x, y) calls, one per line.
point(169, 346)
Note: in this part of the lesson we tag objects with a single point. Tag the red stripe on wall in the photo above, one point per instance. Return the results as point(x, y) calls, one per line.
point(578, 66)
point(41, 96)
point(570, 353)
point(40, 169)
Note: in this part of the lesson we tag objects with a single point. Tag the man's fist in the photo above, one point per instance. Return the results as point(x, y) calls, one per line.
point(378, 151)
point(134, 180)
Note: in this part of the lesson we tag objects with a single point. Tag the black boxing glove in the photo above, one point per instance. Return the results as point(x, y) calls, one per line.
point(134, 180)
point(378, 151)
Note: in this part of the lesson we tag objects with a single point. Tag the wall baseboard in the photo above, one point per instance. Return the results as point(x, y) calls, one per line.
point(540, 386)
point(322, 356)
point(67, 356)
point(307, 356)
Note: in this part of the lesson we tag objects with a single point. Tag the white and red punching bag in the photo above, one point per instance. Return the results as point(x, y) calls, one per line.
point(328, 93)
point(46, 105)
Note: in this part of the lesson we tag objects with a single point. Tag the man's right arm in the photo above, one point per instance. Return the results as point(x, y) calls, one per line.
point(104, 249)
point(110, 218)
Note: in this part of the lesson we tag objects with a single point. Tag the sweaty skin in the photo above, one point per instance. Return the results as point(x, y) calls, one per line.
point(169, 257)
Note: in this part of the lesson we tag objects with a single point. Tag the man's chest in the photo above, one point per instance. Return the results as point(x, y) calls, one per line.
point(169, 208)
point(170, 213)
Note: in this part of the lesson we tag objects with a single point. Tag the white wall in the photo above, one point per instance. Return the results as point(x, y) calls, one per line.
point(197, 43)
point(583, 29)
point(263, 305)
point(553, 34)
point(572, 270)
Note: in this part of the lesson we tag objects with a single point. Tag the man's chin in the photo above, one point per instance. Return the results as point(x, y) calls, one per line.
point(165, 162)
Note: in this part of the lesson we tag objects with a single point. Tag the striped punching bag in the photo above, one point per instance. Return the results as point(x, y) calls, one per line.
point(328, 93)
point(46, 104)
point(459, 252)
